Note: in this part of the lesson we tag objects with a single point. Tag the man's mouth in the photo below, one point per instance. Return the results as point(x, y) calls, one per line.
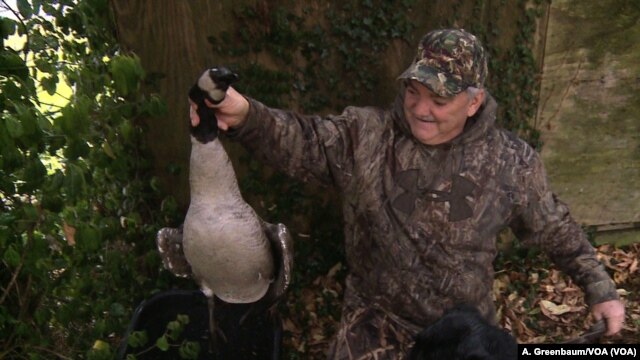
point(425, 120)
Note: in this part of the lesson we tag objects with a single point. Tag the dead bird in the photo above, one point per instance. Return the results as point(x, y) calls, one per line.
point(224, 244)
point(223, 239)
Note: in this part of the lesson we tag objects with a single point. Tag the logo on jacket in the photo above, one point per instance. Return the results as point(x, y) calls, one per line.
point(461, 187)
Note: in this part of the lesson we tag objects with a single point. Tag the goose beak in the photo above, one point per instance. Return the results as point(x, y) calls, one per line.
point(222, 77)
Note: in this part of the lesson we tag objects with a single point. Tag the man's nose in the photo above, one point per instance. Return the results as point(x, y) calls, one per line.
point(422, 108)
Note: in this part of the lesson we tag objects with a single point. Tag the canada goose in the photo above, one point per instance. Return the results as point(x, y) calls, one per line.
point(223, 244)
point(222, 237)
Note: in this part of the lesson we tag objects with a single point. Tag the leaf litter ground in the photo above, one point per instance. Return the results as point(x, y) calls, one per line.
point(535, 302)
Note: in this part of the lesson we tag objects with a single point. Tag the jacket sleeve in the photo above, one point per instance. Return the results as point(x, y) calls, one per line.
point(545, 222)
point(304, 147)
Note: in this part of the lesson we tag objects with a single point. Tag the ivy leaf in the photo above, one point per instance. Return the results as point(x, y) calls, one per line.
point(127, 72)
point(137, 339)
point(33, 175)
point(11, 256)
point(189, 350)
point(74, 121)
point(108, 150)
point(54, 181)
point(49, 84)
point(36, 6)
point(74, 183)
point(101, 350)
point(14, 126)
point(162, 343)
point(24, 8)
point(7, 27)
point(12, 160)
point(184, 319)
point(13, 89)
point(76, 148)
point(27, 119)
point(45, 65)
point(127, 130)
point(52, 202)
point(174, 329)
point(155, 107)
point(117, 310)
point(89, 239)
point(43, 122)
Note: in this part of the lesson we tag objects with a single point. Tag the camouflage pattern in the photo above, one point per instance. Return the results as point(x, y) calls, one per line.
point(448, 62)
point(421, 221)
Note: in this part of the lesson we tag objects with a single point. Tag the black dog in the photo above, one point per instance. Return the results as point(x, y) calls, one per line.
point(462, 334)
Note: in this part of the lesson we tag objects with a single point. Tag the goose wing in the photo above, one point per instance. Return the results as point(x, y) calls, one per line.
point(282, 247)
point(169, 242)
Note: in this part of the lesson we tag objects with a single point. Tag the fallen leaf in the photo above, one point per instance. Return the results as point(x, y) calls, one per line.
point(332, 272)
point(69, 233)
point(549, 307)
point(634, 266)
point(622, 292)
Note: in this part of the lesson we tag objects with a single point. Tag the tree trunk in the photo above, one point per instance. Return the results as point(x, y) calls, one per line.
point(170, 37)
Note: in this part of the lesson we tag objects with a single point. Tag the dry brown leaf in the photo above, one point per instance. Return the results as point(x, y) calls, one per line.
point(334, 270)
point(549, 307)
point(69, 233)
point(622, 292)
point(548, 288)
point(634, 266)
point(288, 325)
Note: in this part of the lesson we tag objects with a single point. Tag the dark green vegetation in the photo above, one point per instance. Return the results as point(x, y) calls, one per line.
point(77, 204)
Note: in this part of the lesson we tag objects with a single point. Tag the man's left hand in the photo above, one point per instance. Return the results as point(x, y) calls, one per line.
point(612, 312)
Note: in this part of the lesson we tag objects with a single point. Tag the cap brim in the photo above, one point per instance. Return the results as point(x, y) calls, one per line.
point(441, 83)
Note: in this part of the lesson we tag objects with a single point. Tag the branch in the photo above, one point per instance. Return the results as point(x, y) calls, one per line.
point(57, 354)
point(14, 277)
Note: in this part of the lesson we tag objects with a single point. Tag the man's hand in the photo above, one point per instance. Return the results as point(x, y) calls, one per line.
point(612, 312)
point(231, 112)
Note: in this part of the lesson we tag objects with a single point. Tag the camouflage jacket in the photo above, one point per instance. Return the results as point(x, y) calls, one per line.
point(421, 221)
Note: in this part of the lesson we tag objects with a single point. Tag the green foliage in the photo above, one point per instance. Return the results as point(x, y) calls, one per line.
point(76, 205)
point(139, 342)
point(330, 56)
point(514, 75)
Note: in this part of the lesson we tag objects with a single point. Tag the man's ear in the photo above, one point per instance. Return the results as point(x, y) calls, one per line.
point(476, 102)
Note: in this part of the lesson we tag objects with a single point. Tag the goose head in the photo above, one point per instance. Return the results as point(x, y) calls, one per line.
point(212, 85)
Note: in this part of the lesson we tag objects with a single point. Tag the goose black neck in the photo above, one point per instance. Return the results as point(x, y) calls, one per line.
point(207, 129)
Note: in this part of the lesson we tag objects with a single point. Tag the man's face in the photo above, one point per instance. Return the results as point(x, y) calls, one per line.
point(434, 119)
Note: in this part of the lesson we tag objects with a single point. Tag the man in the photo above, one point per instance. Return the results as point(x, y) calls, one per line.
point(426, 187)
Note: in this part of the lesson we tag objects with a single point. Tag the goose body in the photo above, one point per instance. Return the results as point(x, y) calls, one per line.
point(223, 239)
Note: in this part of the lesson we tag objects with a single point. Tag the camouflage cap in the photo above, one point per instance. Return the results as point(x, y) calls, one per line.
point(448, 62)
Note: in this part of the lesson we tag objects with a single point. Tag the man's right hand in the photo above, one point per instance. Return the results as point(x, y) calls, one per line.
point(231, 112)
